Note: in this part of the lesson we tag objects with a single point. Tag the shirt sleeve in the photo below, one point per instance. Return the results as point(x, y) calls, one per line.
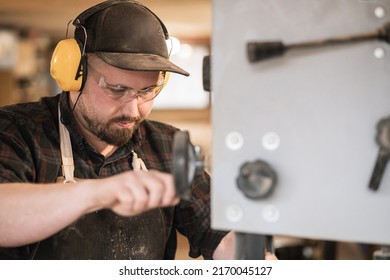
point(27, 154)
point(15, 158)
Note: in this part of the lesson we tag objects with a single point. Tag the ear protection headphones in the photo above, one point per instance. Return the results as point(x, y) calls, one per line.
point(68, 64)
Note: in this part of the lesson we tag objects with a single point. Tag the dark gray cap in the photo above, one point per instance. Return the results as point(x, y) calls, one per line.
point(127, 35)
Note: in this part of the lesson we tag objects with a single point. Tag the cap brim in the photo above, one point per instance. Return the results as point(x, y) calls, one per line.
point(140, 62)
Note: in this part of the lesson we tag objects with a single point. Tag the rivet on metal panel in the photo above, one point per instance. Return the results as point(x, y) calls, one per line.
point(379, 53)
point(380, 12)
point(234, 213)
point(271, 141)
point(234, 141)
point(271, 213)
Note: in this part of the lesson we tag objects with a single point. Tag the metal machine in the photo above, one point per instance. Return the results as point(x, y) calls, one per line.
point(300, 114)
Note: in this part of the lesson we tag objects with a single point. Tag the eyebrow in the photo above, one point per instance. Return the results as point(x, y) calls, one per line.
point(123, 87)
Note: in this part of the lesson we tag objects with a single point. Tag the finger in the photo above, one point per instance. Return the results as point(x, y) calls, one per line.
point(154, 186)
point(140, 195)
point(169, 195)
point(270, 256)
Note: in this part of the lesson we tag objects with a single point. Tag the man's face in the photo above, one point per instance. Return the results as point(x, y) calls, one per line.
point(106, 108)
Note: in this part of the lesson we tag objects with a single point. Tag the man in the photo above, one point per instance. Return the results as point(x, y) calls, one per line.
point(120, 200)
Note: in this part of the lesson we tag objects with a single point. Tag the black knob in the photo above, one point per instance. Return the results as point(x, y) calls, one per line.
point(206, 71)
point(256, 179)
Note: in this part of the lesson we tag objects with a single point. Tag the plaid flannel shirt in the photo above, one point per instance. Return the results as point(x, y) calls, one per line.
point(29, 152)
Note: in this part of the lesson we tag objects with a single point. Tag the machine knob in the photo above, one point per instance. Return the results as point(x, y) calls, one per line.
point(256, 179)
point(187, 162)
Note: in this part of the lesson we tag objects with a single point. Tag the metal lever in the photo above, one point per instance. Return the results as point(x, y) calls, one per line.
point(258, 51)
point(383, 140)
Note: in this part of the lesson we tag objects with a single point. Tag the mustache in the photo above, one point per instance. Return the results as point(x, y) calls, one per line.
point(125, 119)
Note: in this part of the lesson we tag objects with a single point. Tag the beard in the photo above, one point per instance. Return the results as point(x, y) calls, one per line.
point(109, 133)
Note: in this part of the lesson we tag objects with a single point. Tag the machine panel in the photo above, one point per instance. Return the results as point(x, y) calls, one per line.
point(309, 114)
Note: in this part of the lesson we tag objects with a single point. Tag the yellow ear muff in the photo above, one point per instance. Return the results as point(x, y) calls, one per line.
point(65, 63)
point(166, 73)
point(166, 78)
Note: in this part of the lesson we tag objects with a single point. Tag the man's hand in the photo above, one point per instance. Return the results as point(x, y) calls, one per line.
point(134, 192)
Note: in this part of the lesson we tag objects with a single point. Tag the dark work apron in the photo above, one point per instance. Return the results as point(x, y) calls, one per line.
point(104, 235)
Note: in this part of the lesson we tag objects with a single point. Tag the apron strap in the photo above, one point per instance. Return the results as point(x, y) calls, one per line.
point(66, 151)
point(138, 163)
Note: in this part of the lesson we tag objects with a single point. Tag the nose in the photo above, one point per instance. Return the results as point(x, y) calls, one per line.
point(130, 107)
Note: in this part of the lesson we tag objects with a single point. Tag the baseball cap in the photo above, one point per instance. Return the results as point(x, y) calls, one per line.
point(127, 35)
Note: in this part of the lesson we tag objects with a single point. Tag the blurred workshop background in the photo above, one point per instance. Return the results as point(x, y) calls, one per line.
point(29, 30)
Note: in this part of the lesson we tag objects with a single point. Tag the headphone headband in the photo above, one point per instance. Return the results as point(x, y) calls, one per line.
point(83, 17)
